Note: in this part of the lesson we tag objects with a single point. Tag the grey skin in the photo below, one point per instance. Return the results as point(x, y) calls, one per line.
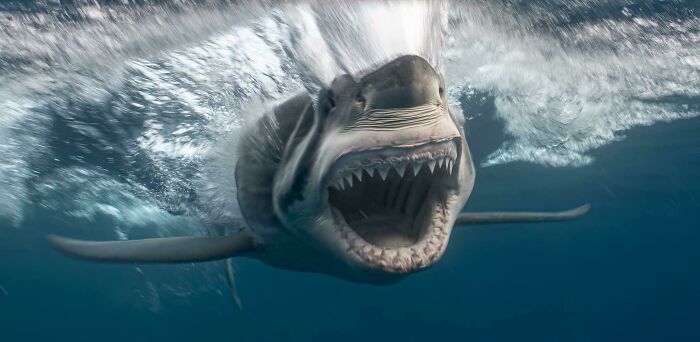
point(364, 184)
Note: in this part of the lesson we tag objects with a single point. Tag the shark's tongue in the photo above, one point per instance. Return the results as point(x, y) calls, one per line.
point(392, 230)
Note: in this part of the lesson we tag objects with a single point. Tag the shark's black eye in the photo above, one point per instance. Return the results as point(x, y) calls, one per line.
point(361, 101)
point(326, 101)
point(331, 98)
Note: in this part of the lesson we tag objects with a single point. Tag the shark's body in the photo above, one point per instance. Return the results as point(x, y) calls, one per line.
point(364, 184)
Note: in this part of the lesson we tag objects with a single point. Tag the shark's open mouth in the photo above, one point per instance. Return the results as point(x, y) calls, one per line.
point(390, 204)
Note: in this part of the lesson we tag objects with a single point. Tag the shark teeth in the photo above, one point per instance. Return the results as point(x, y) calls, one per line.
point(431, 165)
point(416, 168)
point(351, 175)
point(348, 180)
point(358, 174)
point(400, 168)
point(383, 171)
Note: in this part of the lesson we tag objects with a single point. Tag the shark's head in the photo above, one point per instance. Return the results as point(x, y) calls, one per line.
point(375, 176)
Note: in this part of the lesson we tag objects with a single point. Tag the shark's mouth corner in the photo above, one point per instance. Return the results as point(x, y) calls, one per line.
point(390, 203)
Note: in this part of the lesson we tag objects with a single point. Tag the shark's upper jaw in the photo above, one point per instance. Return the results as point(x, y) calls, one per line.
point(389, 204)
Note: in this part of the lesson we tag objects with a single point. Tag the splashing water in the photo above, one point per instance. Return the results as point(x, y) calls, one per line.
point(568, 88)
point(132, 110)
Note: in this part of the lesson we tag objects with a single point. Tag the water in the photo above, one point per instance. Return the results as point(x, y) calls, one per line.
point(117, 120)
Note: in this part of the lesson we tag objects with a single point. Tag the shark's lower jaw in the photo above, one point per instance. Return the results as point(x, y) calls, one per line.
point(390, 205)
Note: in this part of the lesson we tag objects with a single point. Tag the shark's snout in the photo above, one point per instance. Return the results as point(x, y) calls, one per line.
point(406, 82)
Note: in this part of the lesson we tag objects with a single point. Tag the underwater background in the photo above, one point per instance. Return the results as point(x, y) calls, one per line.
point(118, 120)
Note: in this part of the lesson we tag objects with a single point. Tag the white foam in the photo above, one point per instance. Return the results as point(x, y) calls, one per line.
point(328, 38)
point(91, 195)
point(560, 99)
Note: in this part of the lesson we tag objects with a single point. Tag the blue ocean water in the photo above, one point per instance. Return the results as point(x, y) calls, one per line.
point(115, 119)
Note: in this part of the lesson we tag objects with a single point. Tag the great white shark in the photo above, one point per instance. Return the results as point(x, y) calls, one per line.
point(363, 183)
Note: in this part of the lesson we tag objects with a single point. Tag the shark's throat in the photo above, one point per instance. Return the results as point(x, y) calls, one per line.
point(390, 203)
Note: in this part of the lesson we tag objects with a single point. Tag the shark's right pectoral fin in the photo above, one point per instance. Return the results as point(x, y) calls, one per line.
point(158, 250)
point(230, 278)
point(517, 217)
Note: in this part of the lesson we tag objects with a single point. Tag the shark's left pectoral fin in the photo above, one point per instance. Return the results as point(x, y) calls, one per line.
point(514, 217)
point(158, 250)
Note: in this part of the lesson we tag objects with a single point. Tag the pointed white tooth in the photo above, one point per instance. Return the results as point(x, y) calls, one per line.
point(416, 168)
point(400, 168)
point(336, 186)
point(370, 171)
point(358, 174)
point(449, 166)
point(341, 184)
point(348, 180)
point(431, 165)
point(441, 162)
point(383, 170)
